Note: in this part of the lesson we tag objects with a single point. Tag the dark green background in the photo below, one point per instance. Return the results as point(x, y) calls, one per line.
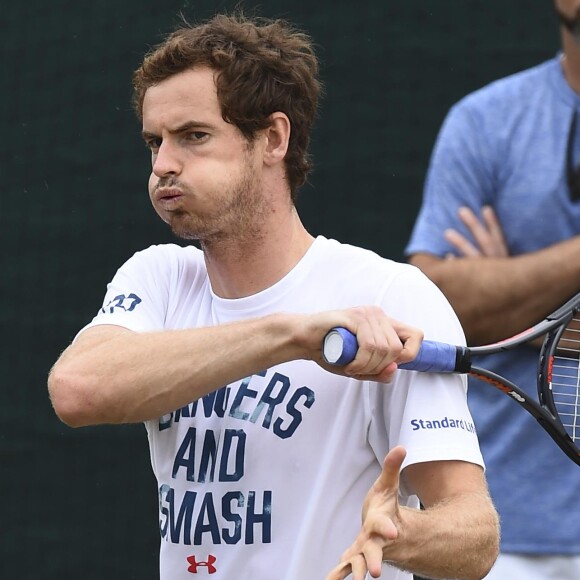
point(81, 504)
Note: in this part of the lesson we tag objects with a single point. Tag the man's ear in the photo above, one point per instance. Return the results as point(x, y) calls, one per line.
point(277, 138)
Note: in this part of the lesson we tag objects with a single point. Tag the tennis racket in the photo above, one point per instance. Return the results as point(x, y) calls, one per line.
point(558, 409)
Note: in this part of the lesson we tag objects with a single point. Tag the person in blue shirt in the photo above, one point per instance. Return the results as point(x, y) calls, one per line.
point(499, 232)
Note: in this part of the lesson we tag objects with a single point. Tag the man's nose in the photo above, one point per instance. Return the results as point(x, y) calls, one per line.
point(166, 160)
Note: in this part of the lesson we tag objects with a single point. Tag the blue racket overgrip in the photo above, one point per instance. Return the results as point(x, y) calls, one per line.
point(340, 347)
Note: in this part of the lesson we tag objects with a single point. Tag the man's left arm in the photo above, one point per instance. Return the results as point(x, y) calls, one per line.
point(455, 536)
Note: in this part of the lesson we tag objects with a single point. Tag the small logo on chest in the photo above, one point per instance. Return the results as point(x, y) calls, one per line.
point(209, 565)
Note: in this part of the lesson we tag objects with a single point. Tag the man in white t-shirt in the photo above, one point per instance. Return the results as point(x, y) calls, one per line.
point(264, 453)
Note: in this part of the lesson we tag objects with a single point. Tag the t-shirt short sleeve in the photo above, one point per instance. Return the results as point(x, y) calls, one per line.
point(137, 298)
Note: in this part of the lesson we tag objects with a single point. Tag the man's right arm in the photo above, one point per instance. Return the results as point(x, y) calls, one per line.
point(497, 297)
point(114, 375)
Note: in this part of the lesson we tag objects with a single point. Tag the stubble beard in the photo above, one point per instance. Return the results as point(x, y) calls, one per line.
point(233, 224)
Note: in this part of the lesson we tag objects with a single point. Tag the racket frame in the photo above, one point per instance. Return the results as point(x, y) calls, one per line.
point(544, 411)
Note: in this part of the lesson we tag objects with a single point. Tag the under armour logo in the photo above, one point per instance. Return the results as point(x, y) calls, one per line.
point(126, 303)
point(194, 564)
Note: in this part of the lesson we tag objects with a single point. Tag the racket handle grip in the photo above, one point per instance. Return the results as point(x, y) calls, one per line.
point(340, 347)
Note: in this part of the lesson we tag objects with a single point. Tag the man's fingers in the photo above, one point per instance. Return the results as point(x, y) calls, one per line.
point(340, 572)
point(382, 342)
point(373, 556)
point(461, 244)
point(478, 230)
point(379, 346)
point(495, 230)
point(389, 478)
point(380, 506)
point(487, 234)
point(359, 567)
point(385, 376)
point(355, 565)
point(411, 339)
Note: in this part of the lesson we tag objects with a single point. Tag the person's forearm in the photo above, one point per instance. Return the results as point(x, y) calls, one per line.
point(132, 377)
point(453, 540)
point(498, 297)
point(113, 375)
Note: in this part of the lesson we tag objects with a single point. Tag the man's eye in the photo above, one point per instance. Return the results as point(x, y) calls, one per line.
point(153, 144)
point(197, 135)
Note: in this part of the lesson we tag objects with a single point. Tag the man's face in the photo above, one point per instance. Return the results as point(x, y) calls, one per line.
point(206, 177)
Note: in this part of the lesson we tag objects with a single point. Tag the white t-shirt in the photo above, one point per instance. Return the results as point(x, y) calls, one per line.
point(264, 479)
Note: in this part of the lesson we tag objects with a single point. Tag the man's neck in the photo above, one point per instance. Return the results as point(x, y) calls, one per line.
point(240, 267)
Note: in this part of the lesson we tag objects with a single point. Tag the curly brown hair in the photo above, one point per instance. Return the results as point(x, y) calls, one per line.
point(263, 66)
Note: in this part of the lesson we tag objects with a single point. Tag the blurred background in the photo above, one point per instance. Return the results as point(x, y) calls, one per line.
point(81, 504)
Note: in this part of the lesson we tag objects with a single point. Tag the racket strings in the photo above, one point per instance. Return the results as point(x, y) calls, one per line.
point(565, 381)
